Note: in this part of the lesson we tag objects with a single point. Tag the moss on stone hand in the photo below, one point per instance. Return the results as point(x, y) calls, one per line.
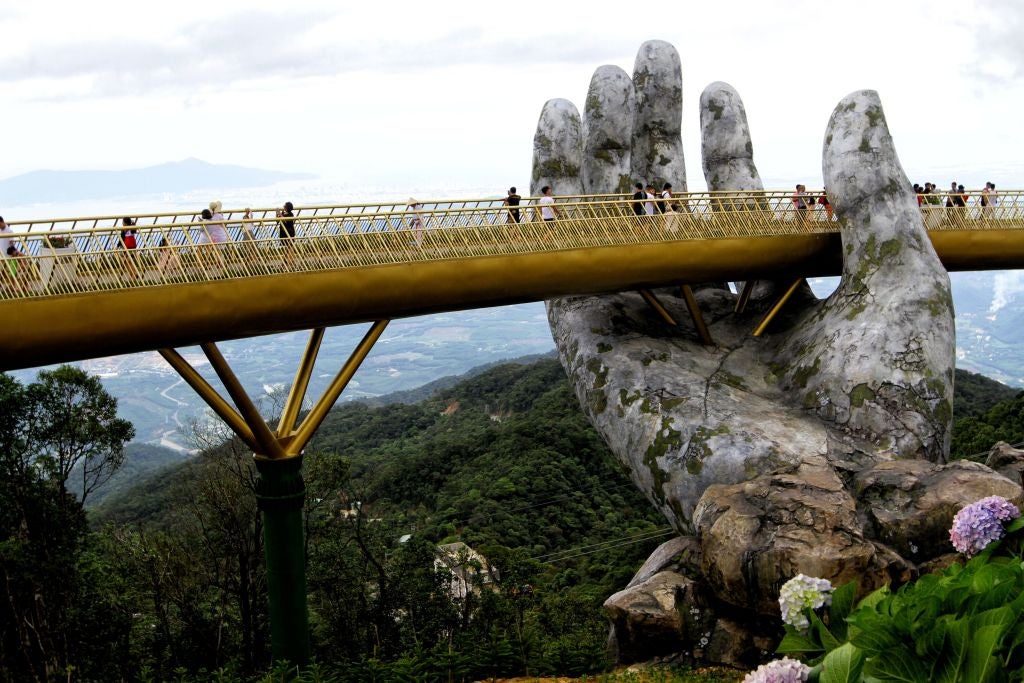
point(805, 372)
point(861, 393)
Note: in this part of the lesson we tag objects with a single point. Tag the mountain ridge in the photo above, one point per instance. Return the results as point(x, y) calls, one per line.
point(175, 176)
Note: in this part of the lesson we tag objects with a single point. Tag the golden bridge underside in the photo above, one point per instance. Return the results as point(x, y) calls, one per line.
point(357, 264)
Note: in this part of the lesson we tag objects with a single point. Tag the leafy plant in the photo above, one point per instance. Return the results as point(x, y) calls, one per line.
point(965, 624)
point(59, 241)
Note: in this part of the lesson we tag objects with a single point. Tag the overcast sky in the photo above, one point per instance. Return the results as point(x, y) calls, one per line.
point(390, 92)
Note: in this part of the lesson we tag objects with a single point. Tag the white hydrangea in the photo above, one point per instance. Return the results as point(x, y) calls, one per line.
point(783, 670)
point(803, 591)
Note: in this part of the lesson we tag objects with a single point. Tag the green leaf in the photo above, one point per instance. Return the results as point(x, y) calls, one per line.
point(1001, 617)
point(949, 669)
point(875, 637)
point(842, 604)
point(981, 660)
point(896, 665)
point(828, 640)
point(1015, 525)
point(796, 643)
point(842, 665)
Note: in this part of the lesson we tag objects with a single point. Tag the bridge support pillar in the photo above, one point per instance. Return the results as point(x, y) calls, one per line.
point(280, 490)
point(281, 495)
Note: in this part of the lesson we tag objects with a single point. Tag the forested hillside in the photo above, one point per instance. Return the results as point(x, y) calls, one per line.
point(170, 583)
point(503, 461)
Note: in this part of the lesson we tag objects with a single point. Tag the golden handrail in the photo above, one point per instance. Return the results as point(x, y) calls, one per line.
point(177, 249)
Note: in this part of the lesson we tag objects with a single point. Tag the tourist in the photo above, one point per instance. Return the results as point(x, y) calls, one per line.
point(512, 200)
point(416, 222)
point(215, 210)
point(548, 211)
point(286, 231)
point(129, 236)
point(959, 206)
point(665, 205)
point(248, 233)
point(950, 195)
point(169, 260)
point(802, 202)
point(649, 208)
point(10, 253)
point(213, 232)
point(640, 195)
point(128, 242)
point(825, 204)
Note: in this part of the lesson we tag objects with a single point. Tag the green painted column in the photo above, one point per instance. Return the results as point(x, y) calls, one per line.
point(280, 492)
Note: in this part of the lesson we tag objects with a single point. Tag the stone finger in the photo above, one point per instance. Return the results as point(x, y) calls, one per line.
point(608, 132)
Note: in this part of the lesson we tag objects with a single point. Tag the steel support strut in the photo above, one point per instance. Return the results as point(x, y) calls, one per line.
point(280, 490)
point(770, 315)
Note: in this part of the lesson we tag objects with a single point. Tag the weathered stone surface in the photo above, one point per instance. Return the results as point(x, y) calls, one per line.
point(876, 357)
point(1007, 461)
point(727, 150)
point(608, 132)
point(558, 149)
point(909, 504)
point(816, 448)
point(681, 554)
point(757, 535)
point(654, 617)
point(657, 133)
point(742, 645)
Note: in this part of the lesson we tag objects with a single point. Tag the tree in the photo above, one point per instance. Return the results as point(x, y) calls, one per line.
point(47, 612)
point(73, 429)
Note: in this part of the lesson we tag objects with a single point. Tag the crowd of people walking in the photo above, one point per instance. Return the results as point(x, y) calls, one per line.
point(211, 231)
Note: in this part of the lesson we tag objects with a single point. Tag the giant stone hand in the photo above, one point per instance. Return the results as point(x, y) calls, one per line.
point(818, 448)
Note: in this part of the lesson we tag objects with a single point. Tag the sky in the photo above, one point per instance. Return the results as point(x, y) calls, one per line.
point(450, 92)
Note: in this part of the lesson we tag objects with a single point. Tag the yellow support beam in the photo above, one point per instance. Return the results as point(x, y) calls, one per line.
point(297, 441)
point(297, 393)
point(653, 302)
point(222, 408)
point(267, 443)
point(770, 315)
point(697, 316)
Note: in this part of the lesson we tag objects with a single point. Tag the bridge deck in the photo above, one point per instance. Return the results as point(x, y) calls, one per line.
point(364, 262)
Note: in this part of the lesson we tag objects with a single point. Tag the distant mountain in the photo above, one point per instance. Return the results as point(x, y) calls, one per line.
point(175, 177)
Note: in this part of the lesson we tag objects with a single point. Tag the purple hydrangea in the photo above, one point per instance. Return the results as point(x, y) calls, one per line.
point(801, 592)
point(783, 670)
point(980, 523)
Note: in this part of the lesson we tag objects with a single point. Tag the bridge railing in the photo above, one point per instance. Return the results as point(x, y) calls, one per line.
point(77, 255)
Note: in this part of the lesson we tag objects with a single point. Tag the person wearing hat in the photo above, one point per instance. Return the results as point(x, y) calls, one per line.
point(415, 223)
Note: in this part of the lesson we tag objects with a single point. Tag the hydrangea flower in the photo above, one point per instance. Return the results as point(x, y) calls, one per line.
point(980, 523)
point(783, 670)
point(803, 591)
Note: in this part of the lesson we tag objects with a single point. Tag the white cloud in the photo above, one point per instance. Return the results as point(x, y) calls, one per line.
point(1006, 286)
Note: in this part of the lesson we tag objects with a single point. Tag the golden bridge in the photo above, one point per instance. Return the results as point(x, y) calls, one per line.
point(77, 292)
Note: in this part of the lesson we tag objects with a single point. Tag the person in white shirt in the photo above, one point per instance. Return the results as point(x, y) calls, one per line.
point(214, 233)
point(649, 204)
point(547, 204)
point(666, 198)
